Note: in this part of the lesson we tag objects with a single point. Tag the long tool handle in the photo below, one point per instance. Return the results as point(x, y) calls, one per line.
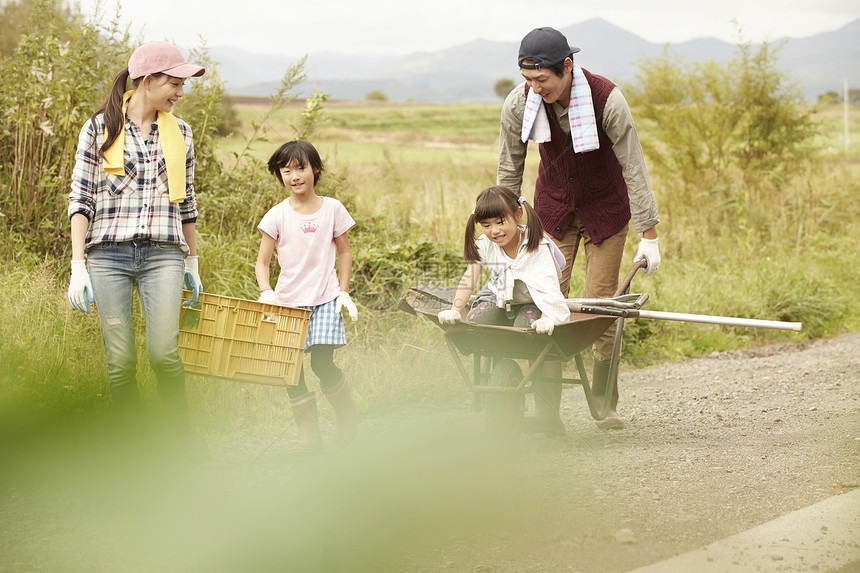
point(683, 317)
point(726, 320)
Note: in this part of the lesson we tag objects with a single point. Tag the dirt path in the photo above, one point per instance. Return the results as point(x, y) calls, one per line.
point(713, 446)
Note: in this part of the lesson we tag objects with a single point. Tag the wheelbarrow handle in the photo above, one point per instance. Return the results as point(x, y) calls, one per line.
point(625, 284)
point(641, 300)
point(683, 317)
point(600, 310)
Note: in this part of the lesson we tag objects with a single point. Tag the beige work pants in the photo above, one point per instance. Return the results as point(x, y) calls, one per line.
point(602, 264)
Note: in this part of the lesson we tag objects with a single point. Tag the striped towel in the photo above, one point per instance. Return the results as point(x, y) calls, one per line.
point(580, 112)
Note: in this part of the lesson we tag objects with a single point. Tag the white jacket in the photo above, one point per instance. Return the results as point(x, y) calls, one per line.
point(531, 277)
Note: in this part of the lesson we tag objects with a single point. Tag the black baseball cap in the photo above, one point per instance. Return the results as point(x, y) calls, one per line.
point(546, 45)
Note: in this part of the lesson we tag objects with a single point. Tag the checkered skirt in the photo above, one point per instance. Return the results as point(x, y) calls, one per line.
point(326, 326)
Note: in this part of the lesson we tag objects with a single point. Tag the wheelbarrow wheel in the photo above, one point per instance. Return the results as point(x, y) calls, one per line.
point(503, 411)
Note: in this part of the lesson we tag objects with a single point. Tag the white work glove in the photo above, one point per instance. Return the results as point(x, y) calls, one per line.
point(449, 316)
point(268, 297)
point(191, 280)
point(344, 301)
point(544, 325)
point(648, 251)
point(80, 287)
point(192, 269)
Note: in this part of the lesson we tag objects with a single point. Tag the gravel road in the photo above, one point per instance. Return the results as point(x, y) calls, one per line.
point(712, 447)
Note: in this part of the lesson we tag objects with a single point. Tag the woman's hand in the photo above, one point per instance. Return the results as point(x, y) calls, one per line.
point(192, 266)
point(80, 287)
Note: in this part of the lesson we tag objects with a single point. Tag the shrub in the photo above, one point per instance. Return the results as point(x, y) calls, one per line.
point(376, 95)
point(503, 87)
point(726, 136)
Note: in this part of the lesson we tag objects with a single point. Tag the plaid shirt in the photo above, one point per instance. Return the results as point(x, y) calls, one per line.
point(136, 206)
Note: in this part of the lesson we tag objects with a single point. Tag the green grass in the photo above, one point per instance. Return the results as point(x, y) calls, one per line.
point(374, 134)
point(462, 121)
point(832, 138)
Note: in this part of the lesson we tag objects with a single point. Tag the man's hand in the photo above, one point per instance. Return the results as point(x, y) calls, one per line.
point(650, 253)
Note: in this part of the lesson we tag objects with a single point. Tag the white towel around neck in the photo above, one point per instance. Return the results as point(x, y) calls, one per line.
point(580, 113)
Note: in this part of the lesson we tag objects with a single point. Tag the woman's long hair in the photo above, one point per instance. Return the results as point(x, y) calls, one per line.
point(499, 202)
point(112, 108)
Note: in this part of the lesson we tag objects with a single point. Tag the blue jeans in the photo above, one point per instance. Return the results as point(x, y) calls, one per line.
point(157, 270)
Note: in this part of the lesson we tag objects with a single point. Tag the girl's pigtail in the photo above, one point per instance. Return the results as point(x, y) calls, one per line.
point(112, 108)
point(470, 249)
point(534, 227)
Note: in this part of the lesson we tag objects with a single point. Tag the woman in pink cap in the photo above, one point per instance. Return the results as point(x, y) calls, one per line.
point(133, 212)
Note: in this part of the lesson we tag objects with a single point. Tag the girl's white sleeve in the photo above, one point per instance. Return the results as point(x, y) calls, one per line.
point(542, 282)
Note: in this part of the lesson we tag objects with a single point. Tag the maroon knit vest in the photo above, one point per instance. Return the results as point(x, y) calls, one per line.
point(587, 185)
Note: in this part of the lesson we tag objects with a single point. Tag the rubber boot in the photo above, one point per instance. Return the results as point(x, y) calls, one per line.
point(307, 421)
point(547, 404)
point(599, 381)
point(345, 411)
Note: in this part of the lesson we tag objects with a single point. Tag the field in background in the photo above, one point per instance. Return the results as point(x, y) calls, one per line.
point(421, 165)
point(417, 164)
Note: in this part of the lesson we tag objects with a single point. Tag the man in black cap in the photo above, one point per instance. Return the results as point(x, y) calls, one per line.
point(592, 184)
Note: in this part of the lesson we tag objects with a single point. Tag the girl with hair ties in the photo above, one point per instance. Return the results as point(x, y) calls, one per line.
point(523, 291)
point(523, 263)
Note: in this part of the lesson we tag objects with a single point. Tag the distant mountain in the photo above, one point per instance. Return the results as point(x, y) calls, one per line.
point(824, 61)
point(467, 72)
point(242, 69)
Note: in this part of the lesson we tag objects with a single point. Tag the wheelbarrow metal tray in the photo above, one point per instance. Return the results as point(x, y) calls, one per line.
point(569, 338)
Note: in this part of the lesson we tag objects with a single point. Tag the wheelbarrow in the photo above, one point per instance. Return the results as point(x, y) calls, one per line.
point(496, 378)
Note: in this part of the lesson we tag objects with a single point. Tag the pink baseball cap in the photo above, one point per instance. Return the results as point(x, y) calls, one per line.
point(161, 57)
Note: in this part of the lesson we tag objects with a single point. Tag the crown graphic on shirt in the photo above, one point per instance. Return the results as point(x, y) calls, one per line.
point(309, 228)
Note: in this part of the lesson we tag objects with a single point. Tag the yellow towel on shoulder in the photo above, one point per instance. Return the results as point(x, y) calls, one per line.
point(172, 146)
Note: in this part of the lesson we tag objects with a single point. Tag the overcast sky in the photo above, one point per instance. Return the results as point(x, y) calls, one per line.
point(294, 28)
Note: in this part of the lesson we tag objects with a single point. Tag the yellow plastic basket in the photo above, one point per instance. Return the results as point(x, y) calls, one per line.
point(242, 340)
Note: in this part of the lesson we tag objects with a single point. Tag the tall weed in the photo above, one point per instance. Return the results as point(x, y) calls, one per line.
point(50, 87)
point(52, 356)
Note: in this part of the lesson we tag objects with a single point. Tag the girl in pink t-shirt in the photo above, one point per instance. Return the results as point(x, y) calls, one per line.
point(309, 233)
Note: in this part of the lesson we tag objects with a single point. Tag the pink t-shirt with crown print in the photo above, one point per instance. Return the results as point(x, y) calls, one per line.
point(306, 251)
